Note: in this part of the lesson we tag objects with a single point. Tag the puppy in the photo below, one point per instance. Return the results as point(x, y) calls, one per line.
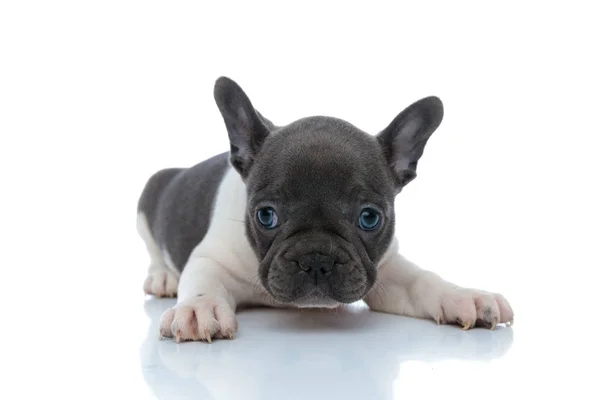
point(299, 215)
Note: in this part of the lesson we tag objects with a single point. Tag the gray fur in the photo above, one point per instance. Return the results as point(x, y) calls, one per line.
point(318, 185)
point(148, 201)
point(178, 203)
point(318, 173)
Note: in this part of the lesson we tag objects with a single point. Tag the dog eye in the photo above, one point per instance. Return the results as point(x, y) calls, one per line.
point(369, 219)
point(267, 217)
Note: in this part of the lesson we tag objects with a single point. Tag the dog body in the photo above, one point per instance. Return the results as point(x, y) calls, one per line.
point(300, 215)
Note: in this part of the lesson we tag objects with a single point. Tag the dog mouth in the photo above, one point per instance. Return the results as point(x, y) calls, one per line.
point(316, 269)
point(320, 284)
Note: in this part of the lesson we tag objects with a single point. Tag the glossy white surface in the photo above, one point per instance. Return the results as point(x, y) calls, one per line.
point(349, 354)
point(108, 346)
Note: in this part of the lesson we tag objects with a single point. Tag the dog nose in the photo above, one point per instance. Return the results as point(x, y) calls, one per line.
point(316, 263)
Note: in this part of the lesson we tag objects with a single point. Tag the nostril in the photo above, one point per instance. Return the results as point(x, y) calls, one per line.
point(320, 264)
point(326, 266)
point(326, 270)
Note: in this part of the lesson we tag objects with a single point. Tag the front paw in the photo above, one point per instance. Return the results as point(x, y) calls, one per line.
point(474, 308)
point(199, 318)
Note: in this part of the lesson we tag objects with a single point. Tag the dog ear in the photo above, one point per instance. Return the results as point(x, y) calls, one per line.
point(405, 137)
point(246, 127)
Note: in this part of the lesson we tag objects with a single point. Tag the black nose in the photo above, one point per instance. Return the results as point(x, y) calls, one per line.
point(316, 263)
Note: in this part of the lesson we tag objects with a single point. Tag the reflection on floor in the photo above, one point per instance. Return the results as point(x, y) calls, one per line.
point(299, 354)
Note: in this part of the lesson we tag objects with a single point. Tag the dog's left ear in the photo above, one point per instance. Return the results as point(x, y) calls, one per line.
point(246, 127)
point(405, 137)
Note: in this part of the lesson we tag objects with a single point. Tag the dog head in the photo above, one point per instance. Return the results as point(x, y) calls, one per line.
point(320, 194)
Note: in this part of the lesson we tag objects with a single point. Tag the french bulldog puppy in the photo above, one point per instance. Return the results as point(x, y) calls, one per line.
point(300, 215)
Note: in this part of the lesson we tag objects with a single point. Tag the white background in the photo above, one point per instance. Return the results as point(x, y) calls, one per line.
point(96, 96)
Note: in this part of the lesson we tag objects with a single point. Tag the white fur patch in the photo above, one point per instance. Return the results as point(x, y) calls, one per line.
point(169, 262)
point(144, 231)
point(161, 281)
point(405, 289)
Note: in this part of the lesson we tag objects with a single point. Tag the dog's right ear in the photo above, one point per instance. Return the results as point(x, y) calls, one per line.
point(246, 127)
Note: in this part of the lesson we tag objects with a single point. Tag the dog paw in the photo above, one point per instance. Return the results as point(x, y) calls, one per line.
point(199, 318)
point(161, 283)
point(474, 308)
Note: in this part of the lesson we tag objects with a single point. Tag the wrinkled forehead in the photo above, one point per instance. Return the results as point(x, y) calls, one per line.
point(313, 177)
point(320, 164)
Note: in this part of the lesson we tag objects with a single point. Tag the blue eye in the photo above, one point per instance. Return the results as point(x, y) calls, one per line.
point(267, 217)
point(369, 219)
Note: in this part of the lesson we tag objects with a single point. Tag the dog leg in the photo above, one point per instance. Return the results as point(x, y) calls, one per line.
point(161, 280)
point(405, 289)
point(206, 304)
